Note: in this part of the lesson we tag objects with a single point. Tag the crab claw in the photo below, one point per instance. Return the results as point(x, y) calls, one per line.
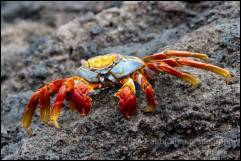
point(80, 99)
point(127, 103)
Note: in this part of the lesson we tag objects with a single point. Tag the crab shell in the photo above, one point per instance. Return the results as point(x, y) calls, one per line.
point(109, 68)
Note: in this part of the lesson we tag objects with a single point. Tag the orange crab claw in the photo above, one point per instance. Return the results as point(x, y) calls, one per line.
point(28, 114)
point(80, 99)
point(127, 103)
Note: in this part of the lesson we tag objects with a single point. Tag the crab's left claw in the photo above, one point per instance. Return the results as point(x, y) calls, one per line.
point(127, 103)
point(81, 101)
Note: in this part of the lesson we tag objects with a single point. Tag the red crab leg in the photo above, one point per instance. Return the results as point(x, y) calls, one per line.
point(66, 87)
point(184, 61)
point(126, 94)
point(169, 53)
point(162, 66)
point(46, 91)
point(44, 104)
point(43, 94)
point(75, 91)
point(147, 88)
point(70, 102)
point(28, 114)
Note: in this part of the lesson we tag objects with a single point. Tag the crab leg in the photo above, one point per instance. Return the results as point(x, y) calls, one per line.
point(68, 98)
point(169, 53)
point(44, 104)
point(43, 94)
point(28, 114)
point(162, 66)
point(126, 94)
point(68, 86)
point(147, 88)
point(184, 61)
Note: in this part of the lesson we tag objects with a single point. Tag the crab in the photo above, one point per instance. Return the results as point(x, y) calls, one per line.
point(102, 71)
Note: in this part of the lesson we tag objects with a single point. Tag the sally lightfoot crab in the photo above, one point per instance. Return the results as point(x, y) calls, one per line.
point(102, 71)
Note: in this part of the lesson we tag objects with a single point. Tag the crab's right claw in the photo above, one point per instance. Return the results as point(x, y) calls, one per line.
point(127, 103)
point(81, 101)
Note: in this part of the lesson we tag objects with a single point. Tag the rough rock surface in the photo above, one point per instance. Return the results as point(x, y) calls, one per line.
point(45, 41)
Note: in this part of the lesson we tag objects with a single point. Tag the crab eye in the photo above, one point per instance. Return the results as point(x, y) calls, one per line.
point(117, 58)
point(83, 62)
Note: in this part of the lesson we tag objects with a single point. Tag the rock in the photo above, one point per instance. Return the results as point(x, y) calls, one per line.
point(172, 143)
point(95, 30)
point(172, 6)
point(40, 71)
